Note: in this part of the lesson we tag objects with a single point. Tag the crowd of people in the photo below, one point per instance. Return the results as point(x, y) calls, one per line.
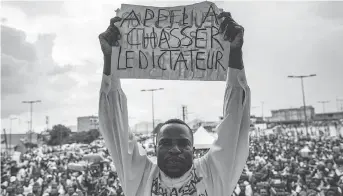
point(293, 163)
point(281, 163)
point(54, 171)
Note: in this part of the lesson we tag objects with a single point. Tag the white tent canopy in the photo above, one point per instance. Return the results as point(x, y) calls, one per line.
point(202, 139)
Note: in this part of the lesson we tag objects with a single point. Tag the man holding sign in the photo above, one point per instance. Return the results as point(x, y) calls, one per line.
point(176, 173)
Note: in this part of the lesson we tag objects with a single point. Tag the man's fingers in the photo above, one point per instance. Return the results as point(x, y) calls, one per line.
point(229, 28)
point(113, 27)
point(223, 26)
point(112, 33)
point(115, 32)
point(105, 36)
point(227, 23)
point(232, 33)
point(224, 14)
point(102, 36)
point(114, 20)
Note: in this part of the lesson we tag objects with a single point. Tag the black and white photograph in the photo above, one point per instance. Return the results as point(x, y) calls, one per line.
point(171, 98)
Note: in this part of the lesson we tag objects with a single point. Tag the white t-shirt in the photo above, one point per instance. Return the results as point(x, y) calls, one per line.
point(27, 189)
point(214, 174)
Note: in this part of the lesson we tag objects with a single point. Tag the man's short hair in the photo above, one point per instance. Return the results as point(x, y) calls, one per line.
point(172, 121)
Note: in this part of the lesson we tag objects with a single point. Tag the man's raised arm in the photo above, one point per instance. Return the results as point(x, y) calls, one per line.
point(129, 158)
point(227, 157)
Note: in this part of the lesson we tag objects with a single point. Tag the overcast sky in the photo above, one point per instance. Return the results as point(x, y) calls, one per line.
point(50, 52)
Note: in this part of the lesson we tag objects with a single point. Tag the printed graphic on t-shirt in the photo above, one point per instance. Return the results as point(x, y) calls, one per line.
point(188, 189)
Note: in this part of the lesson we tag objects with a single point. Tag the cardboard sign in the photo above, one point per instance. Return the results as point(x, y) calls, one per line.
point(171, 43)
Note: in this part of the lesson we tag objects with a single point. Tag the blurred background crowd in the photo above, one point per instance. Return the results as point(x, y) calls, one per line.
point(283, 160)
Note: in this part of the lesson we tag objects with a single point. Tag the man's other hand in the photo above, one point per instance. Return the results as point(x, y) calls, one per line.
point(233, 33)
point(110, 37)
point(231, 30)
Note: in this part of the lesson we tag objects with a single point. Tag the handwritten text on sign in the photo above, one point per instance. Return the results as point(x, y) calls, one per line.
point(174, 43)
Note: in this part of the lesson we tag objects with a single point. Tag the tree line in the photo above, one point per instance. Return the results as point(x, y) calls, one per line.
point(60, 134)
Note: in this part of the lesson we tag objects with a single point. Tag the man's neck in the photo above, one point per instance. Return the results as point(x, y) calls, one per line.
point(175, 182)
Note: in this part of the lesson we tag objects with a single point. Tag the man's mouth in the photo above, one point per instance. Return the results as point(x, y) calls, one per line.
point(174, 161)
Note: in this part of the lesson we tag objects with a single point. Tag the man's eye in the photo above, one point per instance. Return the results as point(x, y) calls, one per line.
point(165, 143)
point(183, 143)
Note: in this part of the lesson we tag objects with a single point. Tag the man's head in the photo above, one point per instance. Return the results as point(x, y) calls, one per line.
point(174, 148)
point(263, 192)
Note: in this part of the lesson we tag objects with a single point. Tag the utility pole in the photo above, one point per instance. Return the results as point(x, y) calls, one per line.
point(323, 102)
point(301, 77)
point(339, 103)
point(5, 140)
point(47, 122)
point(31, 103)
point(91, 121)
point(28, 125)
point(184, 113)
point(262, 103)
point(152, 106)
point(11, 119)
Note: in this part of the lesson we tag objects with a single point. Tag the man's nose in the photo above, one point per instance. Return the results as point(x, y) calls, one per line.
point(175, 150)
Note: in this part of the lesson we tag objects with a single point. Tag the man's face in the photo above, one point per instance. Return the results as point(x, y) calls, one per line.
point(263, 192)
point(70, 190)
point(329, 165)
point(35, 187)
point(20, 190)
point(27, 182)
point(313, 185)
point(174, 149)
point(54, 192)
point(308, 179)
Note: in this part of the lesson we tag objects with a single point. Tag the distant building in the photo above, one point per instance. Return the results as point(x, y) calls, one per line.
point(45, 135)
point(256, 119)
point(291, 115)
point(86, 123)
point(328, 116)
point(73, 128)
